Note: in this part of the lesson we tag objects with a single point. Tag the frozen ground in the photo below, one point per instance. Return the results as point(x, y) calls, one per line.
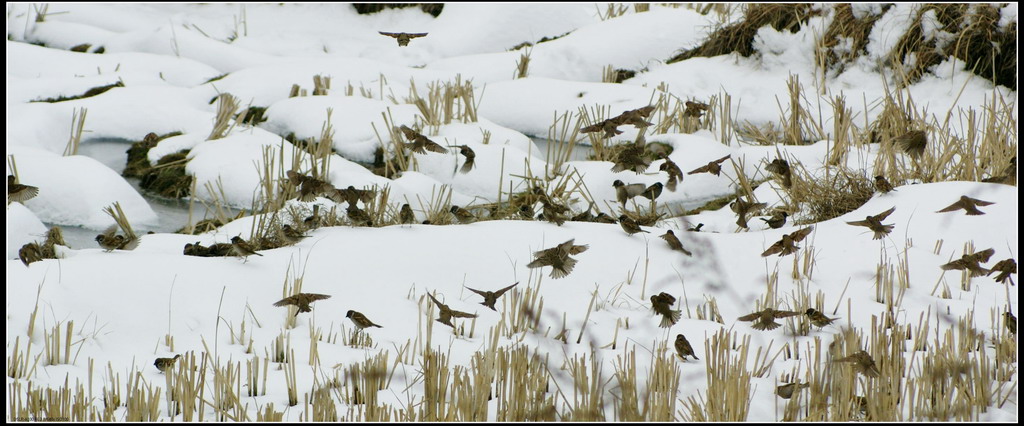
point(165, 54)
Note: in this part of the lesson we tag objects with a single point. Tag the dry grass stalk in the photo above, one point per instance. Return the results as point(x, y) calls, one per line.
point(729, 386)
point(588, 388)
point(77, 127)
point(523, 64)
point(227, 108)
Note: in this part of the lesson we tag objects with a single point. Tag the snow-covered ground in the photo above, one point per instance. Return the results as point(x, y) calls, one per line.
point(166, 54)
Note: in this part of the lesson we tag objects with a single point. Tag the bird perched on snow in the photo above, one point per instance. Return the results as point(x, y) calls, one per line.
point(777, 220)
point(360, 320)
point(490, 297)
point(463, 215)
point(406, 216)
point(625, 192)
point(419, 143)
point(862, 363)
point(29, 253)
point(675, 174)
point(780, 168)
point(109, 241)
point(652, 192)
point(817, 318)
point(403, 38)
point(744, 208)
point(1011, 322)
point(446, 314)
point(882, 184)
point(302, 301)
point(786, 391)
point(558, 258)
point(603, 217)
point(358, 216)
point(163, 364)
point(17, 192)
point(787, 245)
point(765, 320)
point(630, 225)
point(467, 152)
point(874, 223)
point(673, 242)
point(968, 204)
point(1004, 267)
point(971, 262)
point(683, 348)
point(912, 142)
point(241, 248)
point(713, 167)
point(662, 305)
point(291, 235)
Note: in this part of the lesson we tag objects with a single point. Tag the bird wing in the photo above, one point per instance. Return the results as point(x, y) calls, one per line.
point(952, 207)
point(312, 297)
point(801, 234)
point(290, 300)
point(439, 304)
point(722, 159)
point(460, 314)
point(775, 248)
point(110, 231)
point(502, 291)
point(881, 216)
point(980, 202)
point(784, 314)
point(395, 35)
point(750, 317)
point(579, 249)
point(703, 169)
point(984, 255)
point(956, 264)
point(416, 35)
point(634, 189)
point(592, 128)
point(434, 146)
point(482, 293)
point(860, 223)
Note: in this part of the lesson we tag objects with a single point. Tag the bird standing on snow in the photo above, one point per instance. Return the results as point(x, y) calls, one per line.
point(463, 215)
point(163, 364)
point(630, 225)
point(674, 243)
point(241, 248)
point(683, 348)
point(406, 216)
point(777, 220)
point(882, 184)
point(109, 242)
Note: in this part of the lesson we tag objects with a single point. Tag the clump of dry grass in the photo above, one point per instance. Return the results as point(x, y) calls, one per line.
point(168, 178)
point(839, 191)
point(739, 37)
point(98, 90)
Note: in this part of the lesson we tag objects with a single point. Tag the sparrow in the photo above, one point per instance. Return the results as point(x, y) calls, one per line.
point(874, 223)
point(109, 241)
point(630, 225)
point(912, 142)
point(17, 192)
point(302, 301)
point(490, 297)
point(406, 216)
point(603, 217)
point(632, 157)
point(971, 262)
point(220, 250)
point(817, 318)
point(446, 314)
point(695, 228)
point(1009, 175)
point(419, 143)
point(554, 212)
point(586, 215)
point(1010, 321)
point(525, 212)
point(625, 192)
point(291, 235)
point(635, 117)
point(662, 305)
point(241, 248)
point(1004, 267)
point(781, 168)
point(743, 208)
point(713, 167)
point(862, 363)
point(787, 245)
point(358, 216)
point(163, 364)
point(653, 192)
point(309, 187)
point(467, 152)
point(29, 253)
point(765, 320)
point(610, 128)
point(970, 205)
point(403, 38)
point(674, 243)
point(786, 391)
point(675, 175)
point(463, 215)
point(195, 250)
point(695, 109)
point(882, 184)
point(558, 258)
point(683, 348)
point(351, 195)
point(777, 220)
point(360, 320)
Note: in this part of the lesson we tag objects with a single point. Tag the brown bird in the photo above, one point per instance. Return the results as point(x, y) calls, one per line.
point(603, 217)
point(874, 223)
point(467, 152)
point(777, 220)
point(713, 167)
point(787, 245)
point(163, 364)
point(403, 38)
point(446, 314)
point(970, 205)
point(302, 301)
point(780, 168)
point(358, 216)
point(786, 391)
point(912, 142)
point(241, 248)
point(1010, 321)
point(406, 216)
point(971, 262)
point(862, 363)
point(675, 174)
point(586, 215)
point(630, 225)
point(631, 157)
point(360, 320)
point(652, 192)
point(17, 192)
point(683, 348)
point(695, 109)
point(695, 228)
point(109, 241)
point(351, 195)
point(882, 184)
point(558, 258)
point(817, 318)
point(662, 305)
point(554, 212)
point(490, 297)
point(1004, 267)
point(609, 127)
point(635, 117)
point(291, 235)
point(463, 215)
point(765, 320)
point(419, 143)
point(29, 253)
point(309, 187)
point(1009, 175)
point(625, 192)
point(744, 208)
point(674, 243)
